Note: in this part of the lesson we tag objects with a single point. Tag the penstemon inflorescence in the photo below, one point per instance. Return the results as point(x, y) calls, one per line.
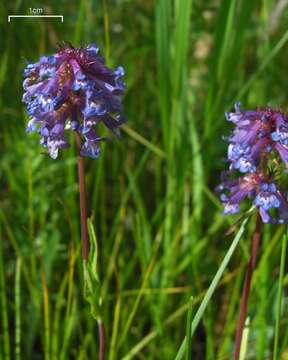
point(73, 89)
point(258, 157)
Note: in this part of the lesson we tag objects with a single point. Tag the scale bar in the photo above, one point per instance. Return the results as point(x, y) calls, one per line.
point(38, 16)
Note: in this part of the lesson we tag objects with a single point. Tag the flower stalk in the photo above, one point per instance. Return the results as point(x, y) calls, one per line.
point(101, 332)
point(83, 205)
point(73, 90)
point(247, 285)
point(85, 237)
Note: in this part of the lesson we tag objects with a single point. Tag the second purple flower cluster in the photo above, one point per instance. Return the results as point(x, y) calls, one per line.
point(257, 152)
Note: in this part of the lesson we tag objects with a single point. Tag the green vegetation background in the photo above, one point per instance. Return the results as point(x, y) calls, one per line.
point(160, 232)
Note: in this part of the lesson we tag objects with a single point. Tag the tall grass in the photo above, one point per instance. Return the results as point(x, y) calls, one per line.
point(160, 233)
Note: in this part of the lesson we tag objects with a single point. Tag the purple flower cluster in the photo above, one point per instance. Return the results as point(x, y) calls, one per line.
point(73, 89)
point(256, 148)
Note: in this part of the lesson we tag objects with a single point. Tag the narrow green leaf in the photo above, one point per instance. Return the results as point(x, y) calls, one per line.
point(188, 330)
point(245, 338)
point(163, 10)
point(4, 308)
point(266, 61)
point(91, 279)
point(60, 302)
point(182, 25)
point(134, 135)
point(279, 296)
point(211, 289)
point(18, 310)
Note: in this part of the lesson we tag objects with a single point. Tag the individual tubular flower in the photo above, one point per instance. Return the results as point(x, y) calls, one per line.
point(73, 89)
point(256, 147)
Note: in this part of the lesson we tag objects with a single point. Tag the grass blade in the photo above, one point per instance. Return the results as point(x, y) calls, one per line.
point(140, 294)
point(263, 65)
point(245, 338)
point(162, 20)
point(134, 135)
point(188, 330)
point(4, 308)
point(46, 315)
point(18, 310)
point(183, 13)
point(211, 289)
point(279, 296)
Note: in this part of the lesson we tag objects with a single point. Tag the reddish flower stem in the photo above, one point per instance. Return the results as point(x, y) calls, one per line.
point(85, 237)
point(247, 285)
point(101, 331)
point(83, 205)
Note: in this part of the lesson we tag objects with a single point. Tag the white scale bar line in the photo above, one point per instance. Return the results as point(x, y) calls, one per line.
point(39, 16)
